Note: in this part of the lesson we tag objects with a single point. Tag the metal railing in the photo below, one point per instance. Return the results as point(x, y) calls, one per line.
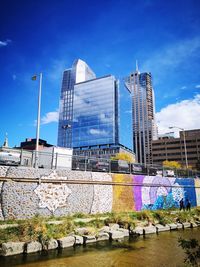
point(51, 160)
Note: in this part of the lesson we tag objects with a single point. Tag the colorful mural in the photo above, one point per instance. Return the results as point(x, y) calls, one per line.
point(122, 195)
point(154, 192)
point(101, 192)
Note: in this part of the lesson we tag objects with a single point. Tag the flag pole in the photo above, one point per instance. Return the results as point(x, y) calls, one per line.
point(38, 122)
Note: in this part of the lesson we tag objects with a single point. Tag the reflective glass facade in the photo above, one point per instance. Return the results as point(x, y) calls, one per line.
point(79, 72)
point(95, 112)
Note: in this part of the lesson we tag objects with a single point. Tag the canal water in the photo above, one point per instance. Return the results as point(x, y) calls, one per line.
point(160, 250)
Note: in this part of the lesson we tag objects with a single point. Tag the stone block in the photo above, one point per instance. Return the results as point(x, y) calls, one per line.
point(116, 235)
point(81, 230)
point(102, 236)
point(33, 246)
point(138, 230)
point(114, 226)
point(124, 231)
point(193, 225)
point(66, 242)
point(162, 228)
point(89, 239)
point(186, 225)
point(172, 226)
point(149, 230)
point(78, 240)
point(105, 229)
point(12, 248)
point(179, 225)
point(52, 244)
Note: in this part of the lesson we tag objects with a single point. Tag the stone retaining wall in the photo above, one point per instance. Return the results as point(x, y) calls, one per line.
point(26, 199)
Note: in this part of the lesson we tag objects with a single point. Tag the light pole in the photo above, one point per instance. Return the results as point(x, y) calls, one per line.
point(38, 119)
point(185, 148)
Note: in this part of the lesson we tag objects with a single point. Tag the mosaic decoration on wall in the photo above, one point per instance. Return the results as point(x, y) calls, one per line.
point(23, 200)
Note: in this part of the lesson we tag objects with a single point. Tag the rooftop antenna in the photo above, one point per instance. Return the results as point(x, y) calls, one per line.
point(136, 64)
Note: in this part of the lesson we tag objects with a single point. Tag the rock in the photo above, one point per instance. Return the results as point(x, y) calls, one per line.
point(102, 236)
point(78, 240)
point(81, 231)
point(186, 225)
point(193, 225)
point(33, 246)
point(66, 242)
point(149, 230)
point(89, 239)
point(12, 248)
point(138, 230)
point(105, 229)
point(114, 226)
point(179, 225)
point(116, 235)
point(124, 231)
point(162, 228)
point(52, 244)
point(172, 226)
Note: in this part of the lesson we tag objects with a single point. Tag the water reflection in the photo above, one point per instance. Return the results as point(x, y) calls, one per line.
point(152, 251)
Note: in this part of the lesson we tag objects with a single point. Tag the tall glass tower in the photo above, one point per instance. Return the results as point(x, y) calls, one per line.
point(143, 114)
point(88, 108)
point(79, 72)
point(95, 112)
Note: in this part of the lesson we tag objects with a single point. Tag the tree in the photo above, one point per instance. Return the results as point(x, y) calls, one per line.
point(123, 156)
point(192, 251)
point(171, 164)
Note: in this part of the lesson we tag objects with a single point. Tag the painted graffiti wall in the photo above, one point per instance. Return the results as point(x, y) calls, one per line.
point(100, 193)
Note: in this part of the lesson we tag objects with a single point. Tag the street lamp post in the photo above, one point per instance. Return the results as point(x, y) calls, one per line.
point(185, 148)
point(38, 119)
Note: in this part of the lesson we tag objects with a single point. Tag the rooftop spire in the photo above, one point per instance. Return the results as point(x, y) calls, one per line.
point(136, 66)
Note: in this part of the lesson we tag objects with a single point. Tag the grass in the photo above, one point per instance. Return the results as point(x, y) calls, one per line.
point(39, 229)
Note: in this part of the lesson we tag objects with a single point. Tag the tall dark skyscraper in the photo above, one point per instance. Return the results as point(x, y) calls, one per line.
point(143, 114)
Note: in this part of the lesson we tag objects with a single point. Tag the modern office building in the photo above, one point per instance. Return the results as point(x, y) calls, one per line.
point(175, 149)
point(89, 112)
point(79, 72)
point(143, 114)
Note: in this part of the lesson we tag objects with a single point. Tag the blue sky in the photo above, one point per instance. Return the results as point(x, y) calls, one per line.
point(47, 36)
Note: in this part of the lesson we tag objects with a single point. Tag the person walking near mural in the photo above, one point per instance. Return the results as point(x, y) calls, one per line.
point(182, 206)
point(188, 204)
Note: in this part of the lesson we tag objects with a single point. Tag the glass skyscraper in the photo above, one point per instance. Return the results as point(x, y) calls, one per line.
point(95, 113)
point(143, 115)
point(78, 73)
point(88, 108)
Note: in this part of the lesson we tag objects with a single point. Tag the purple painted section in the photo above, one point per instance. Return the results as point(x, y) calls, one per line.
point(137, 193)
point(164, 182)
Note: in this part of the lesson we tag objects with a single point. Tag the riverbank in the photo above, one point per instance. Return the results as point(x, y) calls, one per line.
point(39, 233)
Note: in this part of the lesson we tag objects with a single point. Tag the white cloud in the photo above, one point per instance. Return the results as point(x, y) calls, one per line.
point(50, 117)
point(184, 114)
point(97, 132)
point(197, 86)
point(170, 57)
point(183, 87)
point(4, 43)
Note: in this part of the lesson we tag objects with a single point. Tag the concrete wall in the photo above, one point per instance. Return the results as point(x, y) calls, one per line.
point(133, 192)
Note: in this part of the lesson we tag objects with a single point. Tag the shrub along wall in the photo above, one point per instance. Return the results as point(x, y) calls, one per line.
point(31, 192)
